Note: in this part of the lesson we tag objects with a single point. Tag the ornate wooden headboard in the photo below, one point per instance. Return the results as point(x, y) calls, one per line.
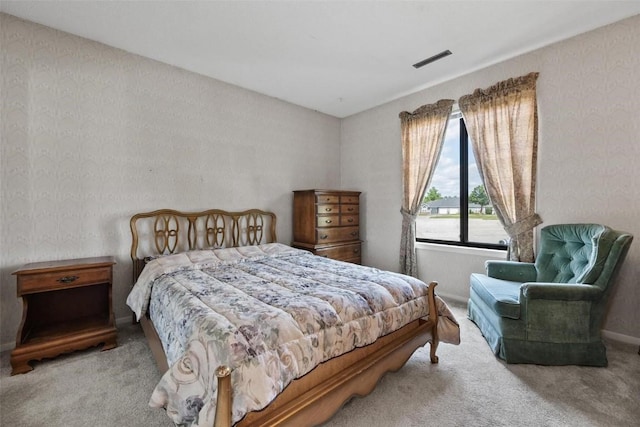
point(168, 231)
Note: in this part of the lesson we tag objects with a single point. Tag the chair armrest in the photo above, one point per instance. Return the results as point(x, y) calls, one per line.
point(559, 291)
point(511, 270)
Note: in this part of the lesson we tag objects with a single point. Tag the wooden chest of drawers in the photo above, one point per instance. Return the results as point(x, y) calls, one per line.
point(327, 223)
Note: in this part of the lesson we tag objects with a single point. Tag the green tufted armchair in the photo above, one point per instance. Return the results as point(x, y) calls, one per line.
point(551, 312)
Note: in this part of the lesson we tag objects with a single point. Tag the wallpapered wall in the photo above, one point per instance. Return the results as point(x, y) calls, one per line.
point(92, 134)
point(589, 152)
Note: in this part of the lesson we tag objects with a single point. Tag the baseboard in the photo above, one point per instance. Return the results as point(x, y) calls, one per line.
point(127, 320)
point(614, 336)
point(454, 299)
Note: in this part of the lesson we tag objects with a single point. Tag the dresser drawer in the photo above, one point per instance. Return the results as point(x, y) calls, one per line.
point(349, 209)
point(62, 279)
point(328, 220)
point(327, 209)
point(349, 199)
point(349, 219)
point(337, 234)
point(327, 198)
point(343, 253)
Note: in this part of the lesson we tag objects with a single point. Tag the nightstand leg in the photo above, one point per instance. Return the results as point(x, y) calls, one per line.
point(109, 344)
point(20, 367)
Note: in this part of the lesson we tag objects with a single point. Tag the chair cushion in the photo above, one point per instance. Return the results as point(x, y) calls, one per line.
point(503, 296)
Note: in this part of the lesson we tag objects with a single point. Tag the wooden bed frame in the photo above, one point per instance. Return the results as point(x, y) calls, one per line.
point(313, 398)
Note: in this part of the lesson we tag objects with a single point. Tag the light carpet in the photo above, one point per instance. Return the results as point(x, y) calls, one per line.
point(469, 387)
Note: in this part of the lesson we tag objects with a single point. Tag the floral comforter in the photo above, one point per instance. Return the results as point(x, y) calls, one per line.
point(271, 313)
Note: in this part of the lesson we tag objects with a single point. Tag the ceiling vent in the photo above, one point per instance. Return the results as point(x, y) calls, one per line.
point(432, 59)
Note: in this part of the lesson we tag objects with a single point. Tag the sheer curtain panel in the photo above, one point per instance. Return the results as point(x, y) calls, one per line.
point(502, 122)
point(422, 138)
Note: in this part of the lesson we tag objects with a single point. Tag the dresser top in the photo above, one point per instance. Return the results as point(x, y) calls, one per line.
point(327, 191)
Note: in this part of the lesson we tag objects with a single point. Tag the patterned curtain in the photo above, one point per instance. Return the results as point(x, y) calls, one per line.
point(503, 123)
point(422, 138)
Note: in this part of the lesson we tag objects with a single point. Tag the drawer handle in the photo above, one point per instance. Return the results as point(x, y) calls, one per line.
point(327, 209)
point(350, 209)
point(328, 221)
point(67, 279)
point(350, 220)
point(354, 233)
point(355, 251)
point(324, 236)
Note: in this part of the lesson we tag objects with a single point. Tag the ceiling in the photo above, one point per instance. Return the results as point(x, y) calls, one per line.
point(336, 57)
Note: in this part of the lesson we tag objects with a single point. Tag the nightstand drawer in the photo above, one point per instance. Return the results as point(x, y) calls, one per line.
point(30, 283)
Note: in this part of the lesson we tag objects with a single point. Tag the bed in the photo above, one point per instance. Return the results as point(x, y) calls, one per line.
point(249, 331)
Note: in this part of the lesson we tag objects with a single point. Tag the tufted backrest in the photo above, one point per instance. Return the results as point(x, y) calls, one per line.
point(573, 253)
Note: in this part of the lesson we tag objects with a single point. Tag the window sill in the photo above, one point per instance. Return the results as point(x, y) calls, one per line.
point(467, 250)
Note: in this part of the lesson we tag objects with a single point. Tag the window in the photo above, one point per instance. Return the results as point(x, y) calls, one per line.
point(456, 209)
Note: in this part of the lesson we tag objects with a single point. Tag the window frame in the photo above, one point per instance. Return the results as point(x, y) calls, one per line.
point(464, 196)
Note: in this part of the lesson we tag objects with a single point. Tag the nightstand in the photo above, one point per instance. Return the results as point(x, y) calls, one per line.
point(66, 307)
